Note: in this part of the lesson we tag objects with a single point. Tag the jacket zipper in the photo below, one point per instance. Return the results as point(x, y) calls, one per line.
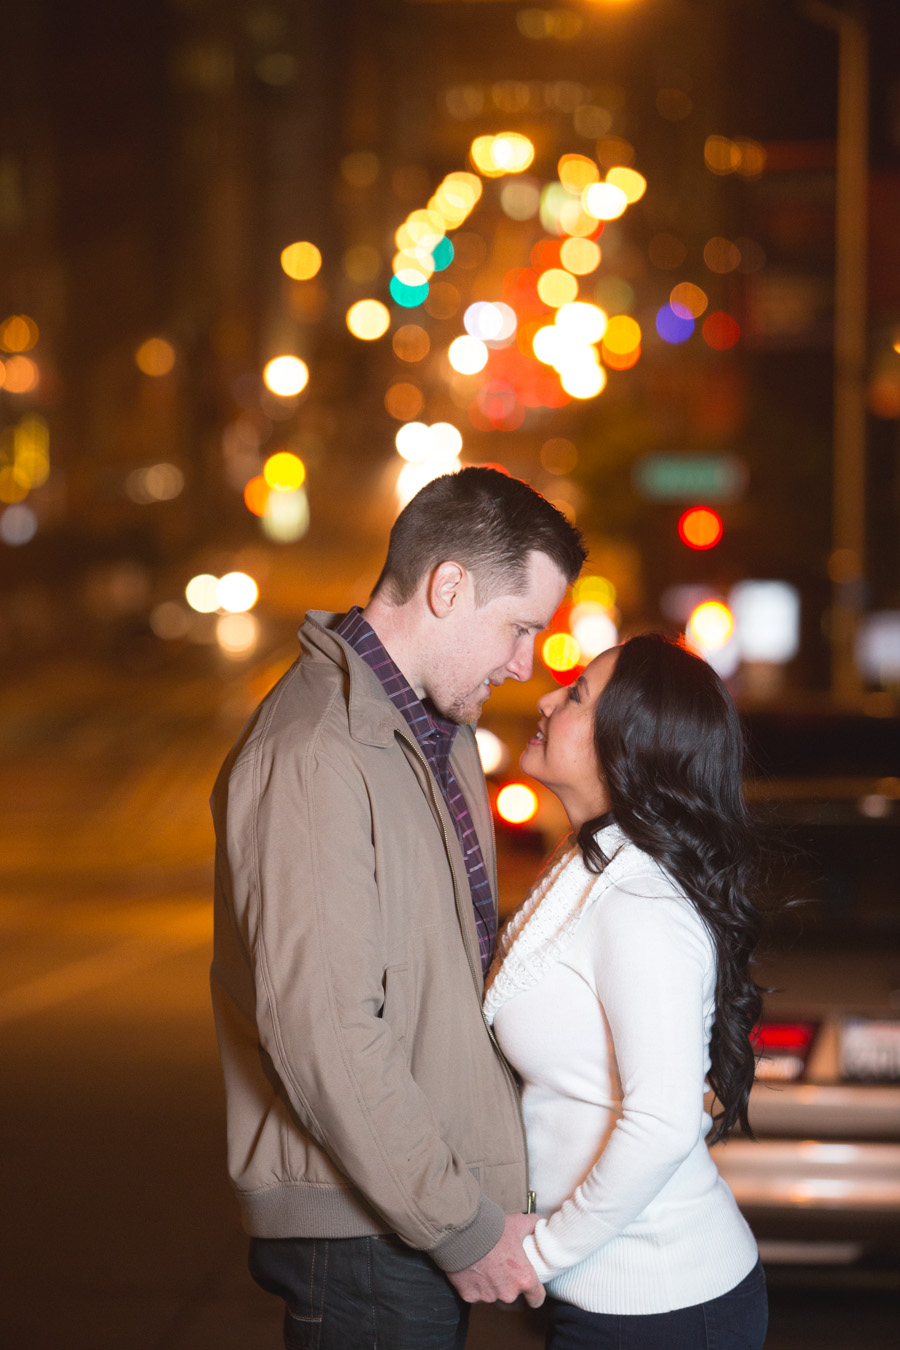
point(530, 1197)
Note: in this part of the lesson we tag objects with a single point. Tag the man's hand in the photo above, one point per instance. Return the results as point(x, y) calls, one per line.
point(505, 1271)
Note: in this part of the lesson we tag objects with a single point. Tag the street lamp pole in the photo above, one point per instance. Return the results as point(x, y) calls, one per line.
point(847, 562)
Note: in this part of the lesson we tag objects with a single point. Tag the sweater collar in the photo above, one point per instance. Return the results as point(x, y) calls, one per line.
point(540, 931)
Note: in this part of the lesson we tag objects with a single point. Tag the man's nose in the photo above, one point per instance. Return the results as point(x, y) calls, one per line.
point(522, 663)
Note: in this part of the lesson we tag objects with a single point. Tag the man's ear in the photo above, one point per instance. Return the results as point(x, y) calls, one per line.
point(446, 585)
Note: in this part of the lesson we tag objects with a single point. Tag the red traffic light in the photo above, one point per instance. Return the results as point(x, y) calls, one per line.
point(700, 527)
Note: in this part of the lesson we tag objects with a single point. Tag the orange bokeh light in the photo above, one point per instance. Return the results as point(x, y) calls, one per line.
point(700, 527)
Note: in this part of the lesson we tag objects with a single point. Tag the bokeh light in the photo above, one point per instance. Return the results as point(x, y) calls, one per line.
point(491, 750)
point(720, 331)
point(368, 320)
point(18, 525)
point(605, 201)
point(594, 590)
point(517, 803)
point(301, 260)
point(201, 593)
point(688, 299)
point(18, 333)
point(20, 375)
point(467, 355)
point(577, 172)
point(700, 527)
point(560, 651)
point(155, 357)
point(236, 592)
point(629, 181)
point(237, 634)
point(673, 325)
point(579, 256)
point(286, 376)
point(404, 401)
point(711, 624)
point(284, 471)
point(256, 495)
point(557, 287)
point(411, 343)
point(593, 628)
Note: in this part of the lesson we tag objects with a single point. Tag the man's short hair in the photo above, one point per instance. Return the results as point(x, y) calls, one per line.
point(486, 521)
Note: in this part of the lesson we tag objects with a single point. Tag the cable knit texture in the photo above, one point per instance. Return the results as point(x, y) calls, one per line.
point(602, 998)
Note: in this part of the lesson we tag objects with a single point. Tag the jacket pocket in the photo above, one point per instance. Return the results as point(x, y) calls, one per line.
point(397, 1006)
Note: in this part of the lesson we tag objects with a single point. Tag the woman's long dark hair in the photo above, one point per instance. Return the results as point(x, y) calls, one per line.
point(671, 749)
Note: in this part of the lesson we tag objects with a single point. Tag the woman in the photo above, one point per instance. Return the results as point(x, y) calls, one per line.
point(622, 989)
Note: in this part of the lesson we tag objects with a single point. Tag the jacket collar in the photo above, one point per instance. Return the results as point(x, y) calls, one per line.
point(373, 718)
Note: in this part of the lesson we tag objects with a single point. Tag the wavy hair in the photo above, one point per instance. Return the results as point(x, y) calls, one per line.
point(671, 749)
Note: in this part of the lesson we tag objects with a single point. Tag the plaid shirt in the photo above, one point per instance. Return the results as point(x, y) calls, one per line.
point(434, 736)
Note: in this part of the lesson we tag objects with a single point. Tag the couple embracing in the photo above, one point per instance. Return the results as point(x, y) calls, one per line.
point(422, 1116)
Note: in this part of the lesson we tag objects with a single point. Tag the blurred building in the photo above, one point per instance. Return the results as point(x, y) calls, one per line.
point(155, 162)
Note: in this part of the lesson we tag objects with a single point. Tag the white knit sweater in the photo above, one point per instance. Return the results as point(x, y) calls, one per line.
point(602, 997)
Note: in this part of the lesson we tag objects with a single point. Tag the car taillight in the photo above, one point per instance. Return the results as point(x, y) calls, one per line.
point(783, 1049)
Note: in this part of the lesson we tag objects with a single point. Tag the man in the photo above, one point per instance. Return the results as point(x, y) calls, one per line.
point(374, 1132)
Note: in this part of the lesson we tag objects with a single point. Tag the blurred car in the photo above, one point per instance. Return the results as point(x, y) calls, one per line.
point(821, 1183)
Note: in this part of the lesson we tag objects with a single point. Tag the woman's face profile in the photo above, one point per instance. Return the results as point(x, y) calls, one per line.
point(561, 753)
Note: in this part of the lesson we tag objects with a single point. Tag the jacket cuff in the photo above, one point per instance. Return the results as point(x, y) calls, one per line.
point(465, 1246)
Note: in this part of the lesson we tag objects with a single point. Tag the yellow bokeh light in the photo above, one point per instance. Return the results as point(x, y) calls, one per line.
point(605, 201)
point(560, 651)
point(455, 198)
point(622, 336)
point(508, 152)
point(286, 376)
point(576, 172)
point(155, 357)
point(557, 287)
point(201, 593)
point(575, 221)
point(689, 298)
point(582, 321)
point(368, 320)
point(414, 442)
point(236, 592)
point(599, 590)
point(237, 634)
point(413, 262)
point(284, 472)
point(711, 624)
point(517, 803)
point(629, 181)
point(31, 450)
point(301, 260)
point(21, 375)
point(579, 256)
point(18, 333)
point(13, 488)
point(467, 355)
point(583, 379)
point(421, 229)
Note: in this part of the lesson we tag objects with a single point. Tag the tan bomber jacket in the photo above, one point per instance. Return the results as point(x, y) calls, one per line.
point(364, 1092)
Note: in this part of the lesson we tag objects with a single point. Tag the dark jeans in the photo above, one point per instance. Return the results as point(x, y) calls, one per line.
point(370, 1293)
point(735, 1321)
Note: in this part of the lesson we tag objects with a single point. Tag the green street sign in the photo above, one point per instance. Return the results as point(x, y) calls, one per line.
point(708, 478)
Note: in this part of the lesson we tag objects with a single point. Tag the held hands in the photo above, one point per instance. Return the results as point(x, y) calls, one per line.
point(505, 1271)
